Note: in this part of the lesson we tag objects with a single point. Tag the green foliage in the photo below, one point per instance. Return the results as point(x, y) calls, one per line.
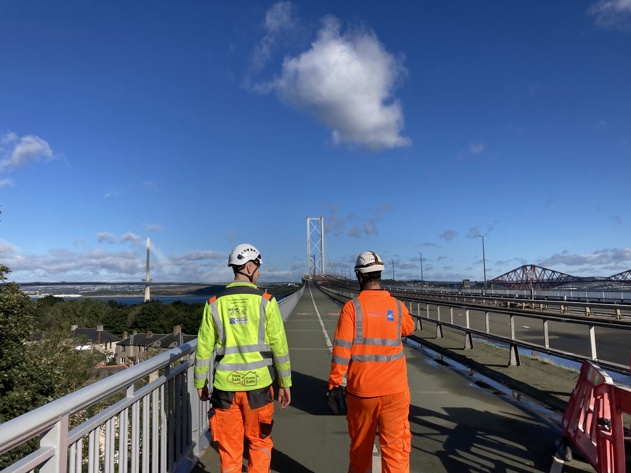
point(17, 313)
point(33, 373)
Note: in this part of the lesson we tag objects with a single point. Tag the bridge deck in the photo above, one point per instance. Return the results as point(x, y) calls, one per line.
point(457, 426)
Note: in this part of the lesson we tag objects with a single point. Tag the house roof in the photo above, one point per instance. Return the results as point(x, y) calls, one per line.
point(157, 340)
point(95, 336)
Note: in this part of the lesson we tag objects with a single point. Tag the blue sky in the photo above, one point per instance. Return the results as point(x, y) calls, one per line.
point(410, 127)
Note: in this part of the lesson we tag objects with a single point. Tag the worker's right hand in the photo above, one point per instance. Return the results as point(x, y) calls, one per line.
point(337, 401)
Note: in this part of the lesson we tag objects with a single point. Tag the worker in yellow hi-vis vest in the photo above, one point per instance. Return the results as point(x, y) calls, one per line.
point(241, 347)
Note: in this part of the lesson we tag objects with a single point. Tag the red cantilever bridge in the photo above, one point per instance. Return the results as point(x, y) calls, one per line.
point(533, 276)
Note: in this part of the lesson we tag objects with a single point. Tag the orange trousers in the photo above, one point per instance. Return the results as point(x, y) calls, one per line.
point(389, 414)
point(229, 426)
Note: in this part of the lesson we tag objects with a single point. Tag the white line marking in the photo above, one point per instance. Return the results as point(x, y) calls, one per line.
point(326, 335)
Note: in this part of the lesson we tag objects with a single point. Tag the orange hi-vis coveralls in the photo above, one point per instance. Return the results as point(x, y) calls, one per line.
point(368, 349)
point(240, 340)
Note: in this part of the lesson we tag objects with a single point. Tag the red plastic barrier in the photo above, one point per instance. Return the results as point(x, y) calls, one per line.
point(593, 419)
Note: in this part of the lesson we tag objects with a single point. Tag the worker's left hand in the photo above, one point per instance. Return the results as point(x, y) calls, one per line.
point(284, 397)
point(203, 393)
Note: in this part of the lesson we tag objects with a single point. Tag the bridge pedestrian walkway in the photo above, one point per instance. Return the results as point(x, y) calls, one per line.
point(457, 426)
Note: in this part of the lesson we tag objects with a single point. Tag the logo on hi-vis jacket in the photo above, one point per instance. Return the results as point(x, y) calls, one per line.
point(238, 315)
point(390, 316)
point(242, 379)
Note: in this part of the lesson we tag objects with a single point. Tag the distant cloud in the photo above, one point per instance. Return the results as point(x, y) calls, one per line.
point(105, 237)
point(16, 152)
point(6, 183)
point(131, 238)
point(280, 19)
point(346, 81)
point(110, 238)
point(476, 148)
point(597, 258)
point(337, 225)
point(601, 125)
point(617, 218)
point(474, 232)
point(448, 235)
point(152, 227)
point(612, 14)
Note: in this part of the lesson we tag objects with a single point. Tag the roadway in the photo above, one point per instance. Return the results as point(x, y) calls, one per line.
point(461, 420)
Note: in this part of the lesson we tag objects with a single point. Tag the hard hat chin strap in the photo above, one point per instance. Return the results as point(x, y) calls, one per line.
point(243, 273)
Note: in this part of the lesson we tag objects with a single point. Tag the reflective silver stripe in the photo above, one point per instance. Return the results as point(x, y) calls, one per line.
point(281, 359)
point(379, 358)
point(244, 349)
point(221, 336)
point(206, 362)
point(284, 373)
point(199, 376)
point(342, 343)
point(342, 360)
point(359, 321)
point(262, 321)
point(244, 366)
point(399, 317)
point(386, 342)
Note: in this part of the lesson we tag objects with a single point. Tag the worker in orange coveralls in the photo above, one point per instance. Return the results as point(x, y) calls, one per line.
point(368, 349)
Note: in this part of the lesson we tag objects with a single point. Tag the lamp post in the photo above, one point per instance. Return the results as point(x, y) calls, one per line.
point(421, 257)
point(483, 262)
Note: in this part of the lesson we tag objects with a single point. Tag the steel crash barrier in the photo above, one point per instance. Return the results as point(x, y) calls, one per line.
point(593, 422)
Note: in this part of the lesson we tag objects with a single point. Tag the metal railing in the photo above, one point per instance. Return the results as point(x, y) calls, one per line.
point(507, 332)
point(153, 420)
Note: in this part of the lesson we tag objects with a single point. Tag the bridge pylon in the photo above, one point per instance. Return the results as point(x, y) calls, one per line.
point(315, 246)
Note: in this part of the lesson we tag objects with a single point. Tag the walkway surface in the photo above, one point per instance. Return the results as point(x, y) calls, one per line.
point(461, 420)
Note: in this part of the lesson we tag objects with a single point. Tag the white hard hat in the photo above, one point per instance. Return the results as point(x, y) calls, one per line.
point(368, 262)
point(243, 253)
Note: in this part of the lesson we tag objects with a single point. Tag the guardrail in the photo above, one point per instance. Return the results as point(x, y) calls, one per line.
point(158, 424)
point(588, 309)
point(512, 341)
point(154, 420)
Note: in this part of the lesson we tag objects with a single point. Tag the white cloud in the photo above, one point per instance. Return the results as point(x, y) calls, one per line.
point(600, 257)
point(612, 13)
point(280, 23)
point(476, 148)
point(347, 82)
point(6, 183)
point(17, 152)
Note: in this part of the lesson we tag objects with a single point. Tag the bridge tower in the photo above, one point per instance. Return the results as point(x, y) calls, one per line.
point(147, 278)
point(315, 245)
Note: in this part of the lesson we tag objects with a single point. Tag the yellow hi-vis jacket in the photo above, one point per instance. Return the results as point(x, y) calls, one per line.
point(240, 340)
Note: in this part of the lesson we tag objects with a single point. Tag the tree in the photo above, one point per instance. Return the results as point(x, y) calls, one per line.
point(18, 388)
point(33, 371)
